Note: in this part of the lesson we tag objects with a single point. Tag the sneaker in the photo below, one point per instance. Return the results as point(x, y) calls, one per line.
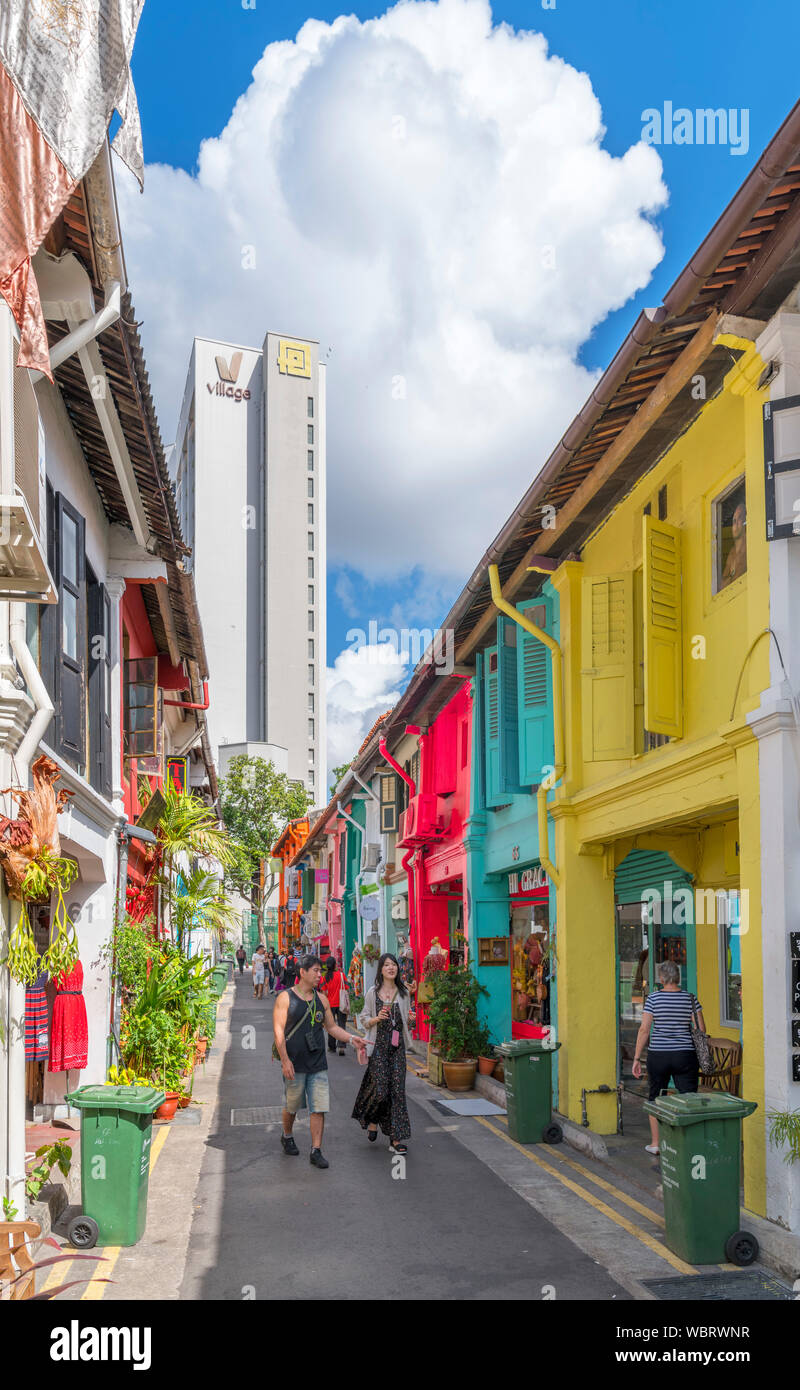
point(318, 1159)
point(288, 1144)
point(651, 1149)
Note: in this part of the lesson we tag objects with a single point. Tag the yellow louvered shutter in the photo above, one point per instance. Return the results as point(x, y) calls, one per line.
point(663, 629)
point(607, 667)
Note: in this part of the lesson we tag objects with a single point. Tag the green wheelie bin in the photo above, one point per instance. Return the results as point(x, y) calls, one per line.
point(219, 979)
point(529, 1091)
point(700, 1138)
point(116, 1129)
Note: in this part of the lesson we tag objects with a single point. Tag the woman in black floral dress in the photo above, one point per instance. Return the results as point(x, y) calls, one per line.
point(381, 1100)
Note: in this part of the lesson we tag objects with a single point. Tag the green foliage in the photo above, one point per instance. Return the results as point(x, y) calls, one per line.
point(356, 1005)
point(51, 1155)
point(256, 803)
point(159, 1027)
point(785, 1129)
point(338, 774)
point(10, 1212)
point(453, 1013)
point(131, 945)
point(45, 876)
point(202, 904)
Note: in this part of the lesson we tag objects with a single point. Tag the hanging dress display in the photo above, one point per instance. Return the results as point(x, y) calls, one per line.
point(36, 1034)
point(69, 1032)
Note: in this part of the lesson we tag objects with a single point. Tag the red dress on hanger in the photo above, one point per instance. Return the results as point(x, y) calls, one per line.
point(69, 1030)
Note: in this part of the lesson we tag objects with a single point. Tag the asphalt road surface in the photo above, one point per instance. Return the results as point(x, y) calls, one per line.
point(268, 1226)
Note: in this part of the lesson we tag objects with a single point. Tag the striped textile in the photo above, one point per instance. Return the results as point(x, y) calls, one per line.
point(37, 1046)
point(672, 1017)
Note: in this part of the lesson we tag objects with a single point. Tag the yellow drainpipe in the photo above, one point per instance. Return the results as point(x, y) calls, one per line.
point(558, 717)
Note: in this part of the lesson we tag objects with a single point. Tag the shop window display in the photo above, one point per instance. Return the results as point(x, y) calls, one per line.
point(530, 963)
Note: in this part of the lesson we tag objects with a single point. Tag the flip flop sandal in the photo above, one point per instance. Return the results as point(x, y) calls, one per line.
point(372, 1135)
point(398, 1148)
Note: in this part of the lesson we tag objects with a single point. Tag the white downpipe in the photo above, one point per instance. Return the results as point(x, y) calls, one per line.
point(89, 329)
point(15, 1166)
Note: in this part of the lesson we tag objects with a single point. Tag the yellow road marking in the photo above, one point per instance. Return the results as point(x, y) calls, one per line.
point(95, 1289)
point(631, 1202)
point(636, 1231)
point(57, 1275)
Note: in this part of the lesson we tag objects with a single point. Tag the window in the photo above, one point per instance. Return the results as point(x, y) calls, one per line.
point(662, 503)
point(730, 930)
point(311, 701)
point(311, 593)
point(390, 807)
point(311, 647)
point(141, 707)
point(310, 568)
point(311, 728)
point(782, 464)
point(311, 460)
point(99, 685)
point(310, 517)
point(729, 536)
point(311, 487)
point(311, 540)
point(646, 511)
point(311, 407)
point(310, 434)
point(310, 620)
point(63, 630)
point(311, 758)
point(311, 675)
point(311, 777)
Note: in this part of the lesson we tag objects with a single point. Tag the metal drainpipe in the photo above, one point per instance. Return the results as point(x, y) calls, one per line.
point(382, 935)
point(558, 717)
point(360, 830)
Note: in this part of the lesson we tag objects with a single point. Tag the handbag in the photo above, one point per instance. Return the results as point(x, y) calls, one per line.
point(702, 1046)
point(344, 997)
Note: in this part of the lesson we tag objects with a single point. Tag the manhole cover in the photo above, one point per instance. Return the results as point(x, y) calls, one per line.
point(751, 1286)
point(262, 1115)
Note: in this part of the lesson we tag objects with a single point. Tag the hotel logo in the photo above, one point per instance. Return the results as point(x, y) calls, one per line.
point(228, 373)
point(294, 359)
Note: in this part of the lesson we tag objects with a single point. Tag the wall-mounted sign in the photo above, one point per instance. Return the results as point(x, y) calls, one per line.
point(228, 371)
point(176, 772)
point(294, 359)
point(370, 908)
point(527, 881)
point(320, 875)
point(293, 904)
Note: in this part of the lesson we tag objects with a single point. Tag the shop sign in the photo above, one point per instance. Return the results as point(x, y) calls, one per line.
point(527, 881)
point(369, 908)
point(293, 904)
point(320, 875)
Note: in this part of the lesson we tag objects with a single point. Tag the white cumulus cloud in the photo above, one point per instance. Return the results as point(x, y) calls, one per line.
point(428, 195)
point(363, 683)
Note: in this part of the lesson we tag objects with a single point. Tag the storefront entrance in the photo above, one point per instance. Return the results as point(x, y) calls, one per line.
point(655, 923)
point(530, 946)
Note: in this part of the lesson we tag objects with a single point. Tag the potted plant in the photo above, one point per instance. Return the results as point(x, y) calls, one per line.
point(453, 1014)
point(486, 1059)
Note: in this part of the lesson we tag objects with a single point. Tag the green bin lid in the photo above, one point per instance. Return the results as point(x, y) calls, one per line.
point(142, 1100)
point(696, 1106)
point(523, 1047)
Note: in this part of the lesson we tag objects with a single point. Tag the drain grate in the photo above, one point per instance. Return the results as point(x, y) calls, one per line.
point(262, 1115)
point(751, 1286)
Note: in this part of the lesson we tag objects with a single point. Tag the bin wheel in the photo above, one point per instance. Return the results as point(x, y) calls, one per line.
point(552, 1134)
point(742, 1248)
point(83, 1232)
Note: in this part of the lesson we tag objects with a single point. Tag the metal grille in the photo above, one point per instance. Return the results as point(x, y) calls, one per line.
point(752, 1285)
point(262, 1115)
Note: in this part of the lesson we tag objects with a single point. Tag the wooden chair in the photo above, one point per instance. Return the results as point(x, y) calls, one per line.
point(726, 1076)
point(16, 1259)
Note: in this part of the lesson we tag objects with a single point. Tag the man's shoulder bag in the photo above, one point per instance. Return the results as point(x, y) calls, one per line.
point(302, 1019)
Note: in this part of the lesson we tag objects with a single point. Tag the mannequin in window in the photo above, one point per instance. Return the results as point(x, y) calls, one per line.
point(736, 563)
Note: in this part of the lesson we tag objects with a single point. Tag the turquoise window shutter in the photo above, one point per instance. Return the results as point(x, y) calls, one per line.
point(478, 737)
point(535, 697)
point(492, 725)
point(507, 634)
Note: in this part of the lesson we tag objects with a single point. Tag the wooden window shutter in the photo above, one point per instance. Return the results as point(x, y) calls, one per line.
point(478, 734)
point(507, 633)
point(50, 617)
point(99, 649)
point(492, 716)
point(607, 667)
point(535, 699)
point(389, 802)
point(71, 639)
point(663, 629)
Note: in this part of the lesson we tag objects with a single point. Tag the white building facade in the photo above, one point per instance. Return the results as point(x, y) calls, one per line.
point(249, 472)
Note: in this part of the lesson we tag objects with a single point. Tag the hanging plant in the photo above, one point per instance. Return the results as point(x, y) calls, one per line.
point(370, 952)
point(30, 852)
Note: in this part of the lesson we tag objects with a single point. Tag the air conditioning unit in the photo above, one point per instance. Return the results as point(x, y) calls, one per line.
point(423, 821)
point(24, 575)
point(372, 854)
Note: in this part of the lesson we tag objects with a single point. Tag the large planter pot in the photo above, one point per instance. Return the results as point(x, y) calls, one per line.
point(486, 1065)
point(459, 1076)
point(166, 1111)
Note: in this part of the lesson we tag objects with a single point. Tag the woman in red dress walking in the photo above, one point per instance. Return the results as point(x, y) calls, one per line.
point(69, 1031)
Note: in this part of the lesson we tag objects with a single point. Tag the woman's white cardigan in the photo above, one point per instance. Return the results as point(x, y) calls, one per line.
point(372, 1007)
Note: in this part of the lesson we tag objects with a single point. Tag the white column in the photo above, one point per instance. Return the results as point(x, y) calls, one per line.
point(115, 588)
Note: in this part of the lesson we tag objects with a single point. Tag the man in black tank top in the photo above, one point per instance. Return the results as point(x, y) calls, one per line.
point(302, 1017)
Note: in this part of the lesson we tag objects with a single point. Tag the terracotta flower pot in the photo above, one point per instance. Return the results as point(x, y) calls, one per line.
point(499, 1071)
point(486, 1065)
point(184, 1101)
point(459, 1076)
point(166, 1111)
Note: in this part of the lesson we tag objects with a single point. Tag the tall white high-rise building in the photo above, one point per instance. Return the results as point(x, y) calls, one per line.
point(249, 471)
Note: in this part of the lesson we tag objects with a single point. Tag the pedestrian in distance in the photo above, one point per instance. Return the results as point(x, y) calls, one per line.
point(332, 985)
point(666, 1033)
point(272, 967)
point(291, 971)
point(241, 956)
point(301, 1017)
point(387, 1017)
point(259, 972)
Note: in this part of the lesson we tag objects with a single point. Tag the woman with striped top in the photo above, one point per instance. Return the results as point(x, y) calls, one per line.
point(666, 1033)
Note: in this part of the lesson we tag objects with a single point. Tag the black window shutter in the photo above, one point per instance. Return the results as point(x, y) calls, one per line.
point(71, 667)
point(99, 664)
point(50, 617)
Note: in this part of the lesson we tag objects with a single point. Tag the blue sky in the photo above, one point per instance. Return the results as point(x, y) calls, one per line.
point(193, 61)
